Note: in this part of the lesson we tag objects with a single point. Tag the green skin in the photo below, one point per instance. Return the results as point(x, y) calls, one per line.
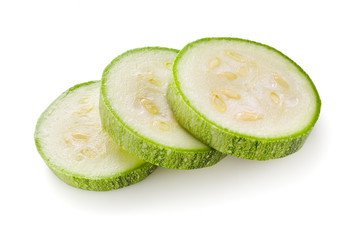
point(144, 148)
point(225, 140)
point(100, 183)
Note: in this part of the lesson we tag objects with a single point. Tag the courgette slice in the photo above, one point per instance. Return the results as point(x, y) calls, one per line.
point(243, 98)
point(70, 139)
point(135, 112)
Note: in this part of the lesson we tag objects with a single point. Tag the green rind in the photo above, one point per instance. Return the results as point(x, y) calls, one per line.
point(104, 183)
point(144, 148)
point(225, 140)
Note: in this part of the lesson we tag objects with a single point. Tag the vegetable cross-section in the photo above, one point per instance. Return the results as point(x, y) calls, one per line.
point(135, 112)
point(243, 98)
point(70, 139)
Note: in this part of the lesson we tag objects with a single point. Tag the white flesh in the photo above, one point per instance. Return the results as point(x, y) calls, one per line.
point(266, 108)
point(72, 137)
point(144, 75)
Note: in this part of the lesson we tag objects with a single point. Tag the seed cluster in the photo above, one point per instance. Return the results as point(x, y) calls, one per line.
point(245, 67)
point(79, 139)
point(148, 104)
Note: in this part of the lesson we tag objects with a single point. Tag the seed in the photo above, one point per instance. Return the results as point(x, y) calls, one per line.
point(168, 65)
point(236, 56)
point(218, 103)
point(275, 97)
point(280, 81)
point(149, 105)
point(243, 70)
point(80, 137)
point(89, 153)
point(227, 75)
point(164, 126)
point(85, 109)
point(149, 76)
point(230, 93)
point(84, 100)
point(214, 63)
point(156, 82)
point(247, 116)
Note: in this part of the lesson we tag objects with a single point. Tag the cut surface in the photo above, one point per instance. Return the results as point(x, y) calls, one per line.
point(242, 88)
point(134, 93)
point(69, 136)
point(275, 97)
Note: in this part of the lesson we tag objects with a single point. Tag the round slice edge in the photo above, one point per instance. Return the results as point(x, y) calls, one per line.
point(70, 139)
point(243, 98)
point(135, 112)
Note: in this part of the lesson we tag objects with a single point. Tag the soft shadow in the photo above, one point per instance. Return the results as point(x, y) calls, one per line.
point(231, 178)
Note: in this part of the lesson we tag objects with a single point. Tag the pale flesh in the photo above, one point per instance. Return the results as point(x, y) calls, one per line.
point(136, 89)
point(246, 88)
point(72, 138)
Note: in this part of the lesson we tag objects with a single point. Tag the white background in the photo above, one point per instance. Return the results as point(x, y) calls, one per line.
point(48, 46)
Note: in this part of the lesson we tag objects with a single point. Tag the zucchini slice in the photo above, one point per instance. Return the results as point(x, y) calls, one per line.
point(135, 112)
point(70, 139)
point(243, 98)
